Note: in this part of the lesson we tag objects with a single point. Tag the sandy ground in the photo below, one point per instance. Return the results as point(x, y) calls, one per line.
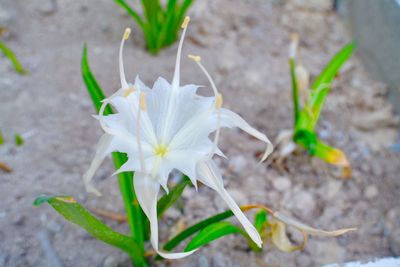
point(244, 44)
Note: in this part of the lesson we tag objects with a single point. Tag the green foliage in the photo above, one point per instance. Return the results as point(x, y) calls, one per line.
point(307, 117)
point(322, 84)
point(176, 240)
point(75, 213)
point(13, 58)
point(168, 199)
point(19, 140)
point(160, 25)
point(213, 232)
point(1, 138)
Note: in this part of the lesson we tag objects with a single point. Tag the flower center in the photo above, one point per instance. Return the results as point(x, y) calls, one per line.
point(161, 150)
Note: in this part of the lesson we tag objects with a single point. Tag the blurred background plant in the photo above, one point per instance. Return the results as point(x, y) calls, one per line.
point(160, 24)
point(8, 53)
point(307, 105)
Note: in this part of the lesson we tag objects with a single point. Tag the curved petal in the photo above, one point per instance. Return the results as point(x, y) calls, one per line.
point(209, 174)
point(102, 150)
point(147, 189)
point(231, 119)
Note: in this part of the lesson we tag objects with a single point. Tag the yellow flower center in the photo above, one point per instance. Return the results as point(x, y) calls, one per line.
point(161, 150)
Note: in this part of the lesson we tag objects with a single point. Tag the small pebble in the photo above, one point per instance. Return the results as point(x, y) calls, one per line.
point(282, 183)
point(110, 262)
point(371, 192)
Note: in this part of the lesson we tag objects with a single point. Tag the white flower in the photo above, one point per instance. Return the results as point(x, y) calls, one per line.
point(165, 128)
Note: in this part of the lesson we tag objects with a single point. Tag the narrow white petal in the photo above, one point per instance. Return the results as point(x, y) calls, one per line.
point(231, 119)
point(147, 189)
point(209, 174)
point(103, 148)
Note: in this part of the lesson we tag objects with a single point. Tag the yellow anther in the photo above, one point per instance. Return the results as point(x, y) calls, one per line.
point(195, 58)
point(127, 33)
point(185, 22)
point(218, 101)
point(142, 101)
point(129, 91)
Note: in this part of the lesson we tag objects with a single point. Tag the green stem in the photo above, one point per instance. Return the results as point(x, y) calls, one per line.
point(133, 210)
point(295, 93)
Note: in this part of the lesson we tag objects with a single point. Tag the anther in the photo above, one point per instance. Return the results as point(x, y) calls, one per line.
point(185, 22)
point(142, 101)
point(218, 101)
point(129, 91)
point(127, 33)
point(195, 58)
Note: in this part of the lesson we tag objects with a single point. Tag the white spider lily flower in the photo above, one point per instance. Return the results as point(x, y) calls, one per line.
point(166, 128)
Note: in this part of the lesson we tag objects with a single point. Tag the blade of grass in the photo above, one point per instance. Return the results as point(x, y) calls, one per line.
point(295, 94)
point(131, 12)
point(324, 80)
point(168, 199)
point(213, 232)
point(13, 58)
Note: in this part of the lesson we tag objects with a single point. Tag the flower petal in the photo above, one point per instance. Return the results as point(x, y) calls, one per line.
point(147, 189)
point(209, 174)
point(103, 149)
point(280, 239)
point(231, 119)
point(308, 229)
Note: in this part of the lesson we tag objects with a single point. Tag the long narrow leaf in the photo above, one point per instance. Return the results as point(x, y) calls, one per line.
point(323, 82)
point(213, 232)
point(13, 58)
point(75, 213)
point(168, 199)
point(131, 12)
point(92, 86)
point(176, 240)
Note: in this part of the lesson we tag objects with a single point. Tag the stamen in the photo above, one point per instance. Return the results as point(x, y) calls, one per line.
point(218, 101)
point(197, 59)
point(218, 105)
point(175, 80)
point(139, 143)
point(129, 91)
point(142, 102)
point(124, 84)
point(294, 37)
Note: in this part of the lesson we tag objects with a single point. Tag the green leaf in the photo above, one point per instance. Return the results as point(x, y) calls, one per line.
point(131, 12)
point(333, 156)
point(13, 58)
point(1, 138)
point(323, 82)
point(19, 140)
point(168, 199)
point(260, 219)
point(75, 213)
point(96, 93)
point(295, 91)
point(176, 240)
point(213, 232)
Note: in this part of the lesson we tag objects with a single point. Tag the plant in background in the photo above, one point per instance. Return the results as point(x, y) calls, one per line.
point(11, 55)
point(160, 24)
point(153, 132)
point(306, 116)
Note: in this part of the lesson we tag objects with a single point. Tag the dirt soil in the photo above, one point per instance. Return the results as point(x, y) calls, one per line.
point(244, 44)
